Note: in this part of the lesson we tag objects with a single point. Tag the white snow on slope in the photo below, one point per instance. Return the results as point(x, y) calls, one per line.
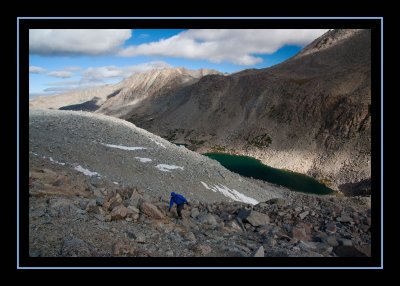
point(207, 187)
point(233, 194)
point(51, 159)
point(167, 168)
point(158, 143)
point(124, 147)
point(79, 168)
point(54, 161)
point(143, 160)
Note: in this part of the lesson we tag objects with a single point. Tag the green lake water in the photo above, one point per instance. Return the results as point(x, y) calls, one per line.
point(250, 167)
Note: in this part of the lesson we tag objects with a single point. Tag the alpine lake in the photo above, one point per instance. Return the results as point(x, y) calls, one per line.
point(250, 167)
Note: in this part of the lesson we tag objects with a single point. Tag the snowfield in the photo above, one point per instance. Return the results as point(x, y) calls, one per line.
point(167, 168)
point(124, 147)
point(230, 193)
point(143, 160)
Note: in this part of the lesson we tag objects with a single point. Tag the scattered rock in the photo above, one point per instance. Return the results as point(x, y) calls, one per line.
point(259, 252)
point(203, 249)
point(140, 238)
point(345, 219)
point(75, 247)
point(276, 201)
point(330, 228)
point(121, 248)
point(303, 214)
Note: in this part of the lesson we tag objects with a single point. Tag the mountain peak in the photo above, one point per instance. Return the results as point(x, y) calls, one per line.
point(328, 40)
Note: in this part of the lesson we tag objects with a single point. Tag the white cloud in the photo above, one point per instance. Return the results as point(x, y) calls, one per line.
point(76, 41)
point(34, 69)
point(61, 89)
point(100, 73)
point(73, 68)
point(235, 46)
point(93, 77)
point(64, 82)
point(67, 86)
point(60, 74)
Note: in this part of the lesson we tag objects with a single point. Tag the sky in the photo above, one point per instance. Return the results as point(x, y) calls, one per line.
point(62, 60)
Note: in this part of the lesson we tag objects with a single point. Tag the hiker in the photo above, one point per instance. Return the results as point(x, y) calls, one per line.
point(180, 201)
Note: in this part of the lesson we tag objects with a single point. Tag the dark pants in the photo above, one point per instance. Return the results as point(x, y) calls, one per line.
point(179, 209)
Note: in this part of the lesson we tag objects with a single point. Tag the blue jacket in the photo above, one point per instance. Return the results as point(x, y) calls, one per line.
point(177, 199)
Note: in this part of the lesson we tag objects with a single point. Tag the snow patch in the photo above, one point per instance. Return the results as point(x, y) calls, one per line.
point(167, 168)
point(231, 193)
point(207, 187)
point(124, 147)
point(86, 171)
point(51, 159)
point(143, 160)
point(54, 161)
point(158, 143)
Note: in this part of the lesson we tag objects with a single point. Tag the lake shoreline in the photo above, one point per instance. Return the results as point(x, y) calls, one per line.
point(252, 168)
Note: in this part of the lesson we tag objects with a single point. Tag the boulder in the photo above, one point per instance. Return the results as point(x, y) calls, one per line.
point(243, 214)
point(120, 212)
point(303, 214)
point(207, 219)
point(234, 225)
point(257, 218)
point(259, 252)
point(134, 209)
point(92, 207)
point(190, 236)
point(150, 210)
point(345, 242)
point(194, 212)
point(270, 242)
point(299, 233)
point(276, 201)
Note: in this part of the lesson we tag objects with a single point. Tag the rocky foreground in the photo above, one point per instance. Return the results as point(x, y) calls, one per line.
point(72, 214)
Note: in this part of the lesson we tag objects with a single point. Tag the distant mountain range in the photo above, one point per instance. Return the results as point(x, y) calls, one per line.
point(309, 114)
